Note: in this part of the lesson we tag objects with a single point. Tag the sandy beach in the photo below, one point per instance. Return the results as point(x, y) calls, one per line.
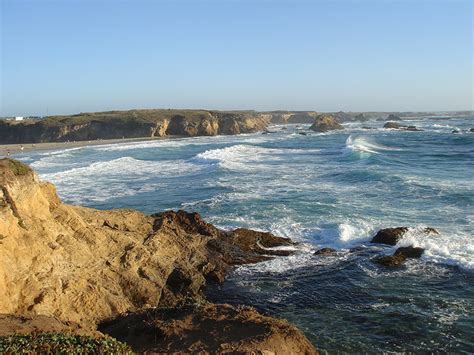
point(13, 149)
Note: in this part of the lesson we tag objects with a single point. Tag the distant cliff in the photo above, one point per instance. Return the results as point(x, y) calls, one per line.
point(132, 124)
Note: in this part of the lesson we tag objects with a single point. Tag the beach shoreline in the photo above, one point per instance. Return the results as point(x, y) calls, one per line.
point(15, 149)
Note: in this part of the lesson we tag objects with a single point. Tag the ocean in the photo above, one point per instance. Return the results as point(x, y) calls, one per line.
point(331, 189)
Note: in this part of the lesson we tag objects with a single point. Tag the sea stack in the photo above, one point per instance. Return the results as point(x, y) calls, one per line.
point(325, 123)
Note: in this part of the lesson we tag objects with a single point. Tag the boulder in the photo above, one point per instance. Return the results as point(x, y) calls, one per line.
point(325, 123)
point(389, 236)
point(410, 252)
point(400, 255)
point(325, 251)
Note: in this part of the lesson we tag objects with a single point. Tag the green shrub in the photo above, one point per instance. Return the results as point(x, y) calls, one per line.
point(61, 343)
point(18, 168)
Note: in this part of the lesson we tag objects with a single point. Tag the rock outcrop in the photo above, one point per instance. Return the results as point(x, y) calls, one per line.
point(84, 266)
point(395, 125)
point(325, 123)
point(400, 256)
point(131, 124)
point(391, 236)
point(207, 328)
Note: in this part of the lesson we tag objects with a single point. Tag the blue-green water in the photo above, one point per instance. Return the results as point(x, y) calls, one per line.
point(333, 189)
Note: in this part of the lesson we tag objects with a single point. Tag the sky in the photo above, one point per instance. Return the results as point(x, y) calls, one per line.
point(70, 56)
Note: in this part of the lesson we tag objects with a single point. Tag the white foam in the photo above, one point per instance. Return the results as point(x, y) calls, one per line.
point(124, 176)
point(237, 157)
point(447, 248)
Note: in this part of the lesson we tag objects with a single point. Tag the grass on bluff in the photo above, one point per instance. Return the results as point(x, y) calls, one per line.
point(46, 343)
point(145, 116)
point(18, 168)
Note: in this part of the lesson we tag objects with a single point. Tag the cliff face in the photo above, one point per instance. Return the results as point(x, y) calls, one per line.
point(131, 124)
point(85, 266)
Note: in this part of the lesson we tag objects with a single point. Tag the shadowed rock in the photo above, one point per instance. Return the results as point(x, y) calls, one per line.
point(207, 328)
point(325, 251)
point(409, 252)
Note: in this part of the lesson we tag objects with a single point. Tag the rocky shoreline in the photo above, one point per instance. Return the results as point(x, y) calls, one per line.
point(139, 278)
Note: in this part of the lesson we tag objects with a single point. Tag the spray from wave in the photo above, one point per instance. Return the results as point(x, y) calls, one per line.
point(365, 145)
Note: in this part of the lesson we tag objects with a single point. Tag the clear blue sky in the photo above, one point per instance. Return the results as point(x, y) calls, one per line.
point(78, 55)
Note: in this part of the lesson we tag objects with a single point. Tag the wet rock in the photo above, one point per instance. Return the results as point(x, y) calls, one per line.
point(392, 125)
point(325, 123)
point(395, 125)
point(391, 260)
point(471, 130)
point(303, 133)
point(325, 251)
point(389, 236)
point(409, 252)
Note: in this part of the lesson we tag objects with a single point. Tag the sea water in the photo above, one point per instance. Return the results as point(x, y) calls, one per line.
point(323, 190)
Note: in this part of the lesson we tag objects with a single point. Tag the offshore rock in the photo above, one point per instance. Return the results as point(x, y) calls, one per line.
point(325, 123)
point(391, 236)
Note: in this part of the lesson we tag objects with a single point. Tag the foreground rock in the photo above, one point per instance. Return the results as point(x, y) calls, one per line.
point(83, 265)
point(325, 123)
point(207, 328)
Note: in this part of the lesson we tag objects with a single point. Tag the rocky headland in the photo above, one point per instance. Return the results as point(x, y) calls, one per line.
point(132, 124)
point(137, 277)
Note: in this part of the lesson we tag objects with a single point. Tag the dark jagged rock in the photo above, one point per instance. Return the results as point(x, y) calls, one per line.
point(392, 125)
point(325, 123)
point(395, 125)
point(410, 252)
point(389, 236)
point(325, 251)
point(471, 130)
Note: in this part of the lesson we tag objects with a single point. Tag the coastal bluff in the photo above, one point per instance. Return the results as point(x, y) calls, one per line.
point(132, 124)
point(130, 275)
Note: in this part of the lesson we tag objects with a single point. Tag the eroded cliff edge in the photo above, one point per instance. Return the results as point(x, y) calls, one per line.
point(137, 276)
